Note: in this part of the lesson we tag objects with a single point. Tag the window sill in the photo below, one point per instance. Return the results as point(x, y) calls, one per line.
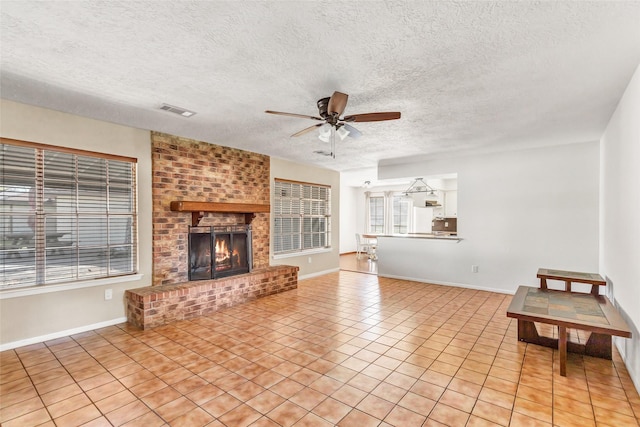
point(44, 289)
point(302, 253)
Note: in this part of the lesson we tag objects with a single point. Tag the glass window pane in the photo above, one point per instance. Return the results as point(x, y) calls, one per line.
point(120, 200)
point(59, 166)
point(93, 198)
point(120, 229)
point(120, 260)
point(60, 196)
point(92, 262)
point(92, 231)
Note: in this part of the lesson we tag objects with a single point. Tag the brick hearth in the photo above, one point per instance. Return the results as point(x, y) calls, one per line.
point(158, 305)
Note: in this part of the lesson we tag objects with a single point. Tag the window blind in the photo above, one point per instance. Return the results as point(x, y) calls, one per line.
point(302, 214)
point(65, 215)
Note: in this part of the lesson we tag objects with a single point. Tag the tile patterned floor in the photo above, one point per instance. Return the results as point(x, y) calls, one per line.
point(346, 349)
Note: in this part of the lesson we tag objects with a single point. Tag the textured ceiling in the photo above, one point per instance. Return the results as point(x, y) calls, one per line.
point(468, 77)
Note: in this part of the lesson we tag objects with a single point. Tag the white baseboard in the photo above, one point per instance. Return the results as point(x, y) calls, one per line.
point(456, 285)
point(319, 273)
point(65, 333)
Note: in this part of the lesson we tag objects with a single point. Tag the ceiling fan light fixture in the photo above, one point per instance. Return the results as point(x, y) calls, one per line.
point(342, 133)
point(324, 137)
point(325, 130)
point(353, 132)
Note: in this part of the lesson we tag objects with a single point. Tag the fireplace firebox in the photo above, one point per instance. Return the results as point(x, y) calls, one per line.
point(219, 251)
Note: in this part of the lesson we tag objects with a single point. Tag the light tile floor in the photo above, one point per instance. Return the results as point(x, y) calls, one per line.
point(347, 349)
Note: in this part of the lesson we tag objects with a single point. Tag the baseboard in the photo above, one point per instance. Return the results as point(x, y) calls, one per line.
point(319, 273)
point(65, 333)
point(629, 348)
point(452, 284)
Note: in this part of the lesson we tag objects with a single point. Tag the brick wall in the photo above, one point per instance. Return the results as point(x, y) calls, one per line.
point(184, 169)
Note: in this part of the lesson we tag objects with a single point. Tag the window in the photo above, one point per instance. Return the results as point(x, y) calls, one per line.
point(302, 214)
point(65, 215)
point(376, 214)
point(401, 216)
point(388, 213)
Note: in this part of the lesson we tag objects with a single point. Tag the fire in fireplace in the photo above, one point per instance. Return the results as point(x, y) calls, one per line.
point(219, 251)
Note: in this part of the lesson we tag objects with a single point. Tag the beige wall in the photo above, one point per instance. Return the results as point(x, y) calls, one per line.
point(320, 262)
point(44, 315)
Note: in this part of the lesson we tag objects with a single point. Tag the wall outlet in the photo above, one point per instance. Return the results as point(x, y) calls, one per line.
point(474, 268)
point(108, 294)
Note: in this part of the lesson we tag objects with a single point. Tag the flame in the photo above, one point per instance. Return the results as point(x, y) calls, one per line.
point(223, 255)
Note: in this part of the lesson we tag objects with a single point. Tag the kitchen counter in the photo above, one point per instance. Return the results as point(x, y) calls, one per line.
point(434, 236)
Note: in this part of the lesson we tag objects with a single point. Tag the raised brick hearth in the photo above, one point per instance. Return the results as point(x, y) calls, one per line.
point(158, 305)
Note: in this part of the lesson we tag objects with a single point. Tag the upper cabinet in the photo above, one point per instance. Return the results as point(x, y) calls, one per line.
point(451, 203)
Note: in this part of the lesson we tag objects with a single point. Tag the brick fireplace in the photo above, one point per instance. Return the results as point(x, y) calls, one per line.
point(201, 184)
point(188, 170)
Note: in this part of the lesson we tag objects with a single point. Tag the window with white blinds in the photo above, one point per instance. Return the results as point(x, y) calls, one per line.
point(65, 215)
point(302, 217)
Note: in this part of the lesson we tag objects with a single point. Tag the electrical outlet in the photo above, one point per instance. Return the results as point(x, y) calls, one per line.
point(474, 268)
point(108, 294)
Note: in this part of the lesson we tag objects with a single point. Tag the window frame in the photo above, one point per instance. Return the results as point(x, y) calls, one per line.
point(75, 280)
point(389, 199)
point(298, 210)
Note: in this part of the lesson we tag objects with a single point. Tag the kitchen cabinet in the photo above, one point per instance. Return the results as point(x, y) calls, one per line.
point(451, 203)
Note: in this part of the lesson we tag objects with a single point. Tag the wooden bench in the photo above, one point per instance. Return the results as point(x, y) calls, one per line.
point(567, 310)
point(593, 279)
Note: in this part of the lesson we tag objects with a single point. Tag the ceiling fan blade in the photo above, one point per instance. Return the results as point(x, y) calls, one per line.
point(372, 117)
point(337, 103)
point(280, 113)
point(309, 129)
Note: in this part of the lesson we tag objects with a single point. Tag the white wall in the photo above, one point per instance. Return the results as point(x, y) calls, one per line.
point(33, 318)
point(517, 211)
point(349, 213)
point(620, 218)
point(317, 263)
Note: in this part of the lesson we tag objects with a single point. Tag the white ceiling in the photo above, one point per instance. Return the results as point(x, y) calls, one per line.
point(468, 77)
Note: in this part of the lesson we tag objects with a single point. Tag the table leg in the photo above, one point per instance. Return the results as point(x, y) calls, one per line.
point(543, 283)
point(567, 285)
point(562, 347)
point(595, 290)
point(598, 345)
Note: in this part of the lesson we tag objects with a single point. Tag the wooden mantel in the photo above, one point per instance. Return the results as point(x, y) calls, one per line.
point(198, 209)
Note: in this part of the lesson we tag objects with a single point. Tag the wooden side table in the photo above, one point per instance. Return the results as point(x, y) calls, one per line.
point(567, 310)
point(595, 280)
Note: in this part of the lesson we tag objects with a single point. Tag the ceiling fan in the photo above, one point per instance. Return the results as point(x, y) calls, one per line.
point(330, 110)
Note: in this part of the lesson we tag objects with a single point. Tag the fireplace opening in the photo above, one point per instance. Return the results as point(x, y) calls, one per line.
point(219, 251)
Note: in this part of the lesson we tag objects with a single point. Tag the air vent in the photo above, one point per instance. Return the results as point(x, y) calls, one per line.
point(177, 110)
